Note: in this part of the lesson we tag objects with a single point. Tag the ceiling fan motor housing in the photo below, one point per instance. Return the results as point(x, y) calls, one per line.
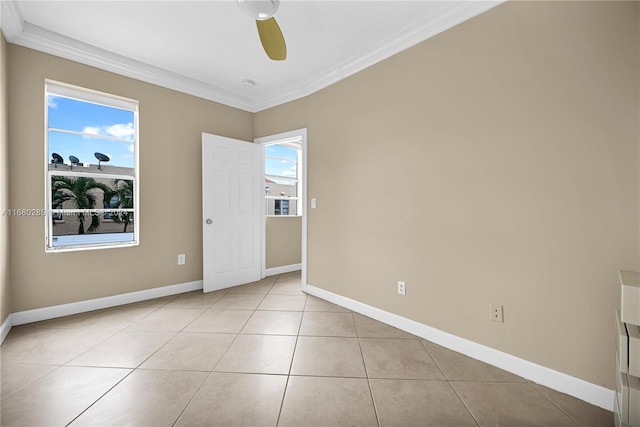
point(259, 9)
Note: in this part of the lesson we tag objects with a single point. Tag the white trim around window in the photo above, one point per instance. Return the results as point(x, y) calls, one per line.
point(74, 137)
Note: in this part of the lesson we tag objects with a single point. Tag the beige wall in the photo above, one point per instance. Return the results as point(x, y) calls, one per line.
point(284, 238)
point(509, 144)
point(4, 187)
point(171, 125)
point(495, 163)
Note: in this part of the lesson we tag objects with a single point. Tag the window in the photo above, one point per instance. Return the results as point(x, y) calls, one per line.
point(91, 169)
point(282, 178)
point(282, 207)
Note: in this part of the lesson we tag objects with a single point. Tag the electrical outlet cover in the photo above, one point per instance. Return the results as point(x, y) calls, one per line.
point(496, 312)
point(402, 288)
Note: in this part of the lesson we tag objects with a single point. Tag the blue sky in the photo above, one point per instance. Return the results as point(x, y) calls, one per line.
point(284, 165)
point(91, 119)
point(94, 119)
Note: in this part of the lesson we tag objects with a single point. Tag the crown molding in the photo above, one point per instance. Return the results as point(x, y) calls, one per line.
point(10, 19)
point(23, 33)
point(395, 44)
point(40, 39)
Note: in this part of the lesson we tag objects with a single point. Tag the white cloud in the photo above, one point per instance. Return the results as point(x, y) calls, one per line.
point(92, 130)
point(120, 130)
point(131, 148)
point(51, 102)
point(290, 172)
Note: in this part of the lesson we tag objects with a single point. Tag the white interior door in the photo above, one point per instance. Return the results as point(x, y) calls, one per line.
point(232, 212)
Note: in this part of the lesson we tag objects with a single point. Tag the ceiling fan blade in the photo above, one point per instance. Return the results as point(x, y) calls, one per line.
point(272, 39)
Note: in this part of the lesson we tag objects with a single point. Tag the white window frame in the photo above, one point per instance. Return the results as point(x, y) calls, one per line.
point(294, 143)
point(88, 95)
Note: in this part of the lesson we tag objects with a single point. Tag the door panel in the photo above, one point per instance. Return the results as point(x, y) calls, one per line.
point(232, 212)
point(247, 237)
point(221, 243)
point(222, 191)
point(247, 193)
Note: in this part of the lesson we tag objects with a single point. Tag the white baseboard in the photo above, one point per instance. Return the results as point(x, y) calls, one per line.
point(6, 327)
point(46, 313)
point(583, 390)
point(281, 270)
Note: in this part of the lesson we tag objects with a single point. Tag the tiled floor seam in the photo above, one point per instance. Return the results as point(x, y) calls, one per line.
point(450, 383)
point(31, 382)
point(183, 411)
point(464, 403)
point(554, 404)
point(213, 369)
point(293, 355)
point(373, 402)
point(192, 398)
point(101, 396)
point(91, 348)
point(366, 372)
point(284, 393)
point(168, 341)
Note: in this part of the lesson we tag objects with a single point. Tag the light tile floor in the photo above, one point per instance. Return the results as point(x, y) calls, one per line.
point(261, 354)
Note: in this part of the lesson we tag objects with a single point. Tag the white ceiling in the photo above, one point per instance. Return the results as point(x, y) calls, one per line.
point(207, 48)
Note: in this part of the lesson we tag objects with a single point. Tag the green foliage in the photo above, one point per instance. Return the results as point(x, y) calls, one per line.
point(78, 193)
point(122, 189)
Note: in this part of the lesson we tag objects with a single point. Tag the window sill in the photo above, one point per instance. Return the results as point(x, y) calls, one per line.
point(91, 242)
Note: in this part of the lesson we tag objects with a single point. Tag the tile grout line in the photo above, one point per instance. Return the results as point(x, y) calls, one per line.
point(192, 398)
point(449, 382)
point(176, 332)
point(132, 370)
point(366, 371)
point(102, 395)
point(284, 393)
point(138, 367)
point(293, 355)
point(464, 403)
point(207, 375)
point(213, 369)
point(109, 335)
point(55, 368)
point(434, 360)
point(554, 403)
point(66, 363)
point(103, 341)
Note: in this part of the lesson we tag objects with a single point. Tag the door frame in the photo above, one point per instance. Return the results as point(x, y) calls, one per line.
point(297, 134)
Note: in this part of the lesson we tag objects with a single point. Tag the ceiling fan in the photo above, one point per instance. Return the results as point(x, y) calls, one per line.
point(269, 31)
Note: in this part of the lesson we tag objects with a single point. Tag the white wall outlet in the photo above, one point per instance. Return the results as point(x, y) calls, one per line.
point(402, 288)
point(496, 313)
point(182, 259)
point(313, 203)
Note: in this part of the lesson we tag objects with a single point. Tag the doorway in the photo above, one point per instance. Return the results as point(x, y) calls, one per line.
point(284, 191)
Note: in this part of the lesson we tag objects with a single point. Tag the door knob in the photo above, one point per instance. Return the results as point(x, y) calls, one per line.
point(208, 221)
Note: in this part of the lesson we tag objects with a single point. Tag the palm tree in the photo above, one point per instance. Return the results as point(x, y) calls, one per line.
point(78, 193)
point(122, 191)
